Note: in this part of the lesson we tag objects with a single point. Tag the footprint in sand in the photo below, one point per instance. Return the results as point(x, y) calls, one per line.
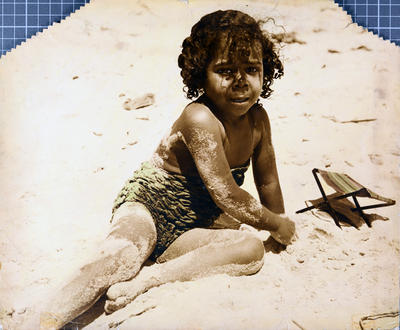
point(319, 233)
point(139, 102)
point(376, 159)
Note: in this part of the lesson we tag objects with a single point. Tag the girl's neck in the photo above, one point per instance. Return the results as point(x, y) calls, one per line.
point(203, 99)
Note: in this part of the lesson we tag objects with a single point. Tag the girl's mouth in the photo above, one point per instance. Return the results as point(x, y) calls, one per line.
point(240, 100)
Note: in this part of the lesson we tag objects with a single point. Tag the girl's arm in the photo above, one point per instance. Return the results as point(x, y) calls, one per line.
point(202, 134)
point(267, 180)
point(264, 167)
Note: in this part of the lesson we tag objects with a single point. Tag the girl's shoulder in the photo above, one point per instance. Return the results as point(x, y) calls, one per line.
point(257, 111)
point(260, 116)
point(199, 115)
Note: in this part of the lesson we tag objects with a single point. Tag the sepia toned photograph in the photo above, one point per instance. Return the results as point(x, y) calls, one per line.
point(200, 165)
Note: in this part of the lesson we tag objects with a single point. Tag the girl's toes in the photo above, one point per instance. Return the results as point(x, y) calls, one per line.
point(109, 307)
point(113, 305)
point(115, 291)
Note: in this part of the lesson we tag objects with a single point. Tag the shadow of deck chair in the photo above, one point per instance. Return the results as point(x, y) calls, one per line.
point(345, 187)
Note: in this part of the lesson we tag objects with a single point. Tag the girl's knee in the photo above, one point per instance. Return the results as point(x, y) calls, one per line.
point(250, 250)
point(133, 222)
point(118, 260)
point(127, 262)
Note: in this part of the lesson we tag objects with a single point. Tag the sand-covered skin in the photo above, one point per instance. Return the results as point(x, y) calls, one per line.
point(67, 147)
point(213, 246)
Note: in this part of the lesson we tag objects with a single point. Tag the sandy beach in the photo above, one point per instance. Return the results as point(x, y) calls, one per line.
point(68, 144)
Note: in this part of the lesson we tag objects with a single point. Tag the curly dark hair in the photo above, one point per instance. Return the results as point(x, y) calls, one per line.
point(240, 31)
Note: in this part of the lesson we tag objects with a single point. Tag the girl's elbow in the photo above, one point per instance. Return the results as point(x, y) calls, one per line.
point(226, 199)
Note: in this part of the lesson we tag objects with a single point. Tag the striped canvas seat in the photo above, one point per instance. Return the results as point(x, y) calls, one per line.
point(345, 186)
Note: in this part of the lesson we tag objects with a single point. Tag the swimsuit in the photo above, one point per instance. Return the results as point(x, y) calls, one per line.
point(177, 203)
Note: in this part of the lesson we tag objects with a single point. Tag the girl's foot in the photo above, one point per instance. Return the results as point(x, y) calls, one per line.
point(121, 294)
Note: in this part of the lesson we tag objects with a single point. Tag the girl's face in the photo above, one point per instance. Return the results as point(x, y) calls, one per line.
point(234, 83)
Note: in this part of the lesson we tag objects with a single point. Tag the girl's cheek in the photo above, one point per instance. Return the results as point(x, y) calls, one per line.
point(260, 78)
point(226, 82)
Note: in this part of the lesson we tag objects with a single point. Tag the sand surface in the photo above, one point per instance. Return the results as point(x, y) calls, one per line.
point(67, 145)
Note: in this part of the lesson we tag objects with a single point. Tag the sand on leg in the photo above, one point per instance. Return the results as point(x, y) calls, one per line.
point(131, 240)
point(197, 253)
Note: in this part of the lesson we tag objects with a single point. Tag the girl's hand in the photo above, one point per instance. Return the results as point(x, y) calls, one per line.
point(286, 232)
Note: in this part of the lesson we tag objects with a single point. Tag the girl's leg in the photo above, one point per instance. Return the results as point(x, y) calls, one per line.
point(195, 254)
point(119, 258)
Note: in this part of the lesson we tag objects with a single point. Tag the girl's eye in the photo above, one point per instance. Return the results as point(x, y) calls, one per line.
point(252, 69)
point(225, 71)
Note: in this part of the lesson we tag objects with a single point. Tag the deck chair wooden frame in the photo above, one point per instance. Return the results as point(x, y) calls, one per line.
point(345, 186)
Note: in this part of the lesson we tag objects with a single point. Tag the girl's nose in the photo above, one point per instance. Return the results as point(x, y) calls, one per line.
point(240, 79)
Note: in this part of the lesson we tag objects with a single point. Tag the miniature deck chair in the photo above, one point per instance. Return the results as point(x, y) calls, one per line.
point(345, 187)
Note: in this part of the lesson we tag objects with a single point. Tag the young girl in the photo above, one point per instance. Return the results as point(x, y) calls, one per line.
point(164, 211)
